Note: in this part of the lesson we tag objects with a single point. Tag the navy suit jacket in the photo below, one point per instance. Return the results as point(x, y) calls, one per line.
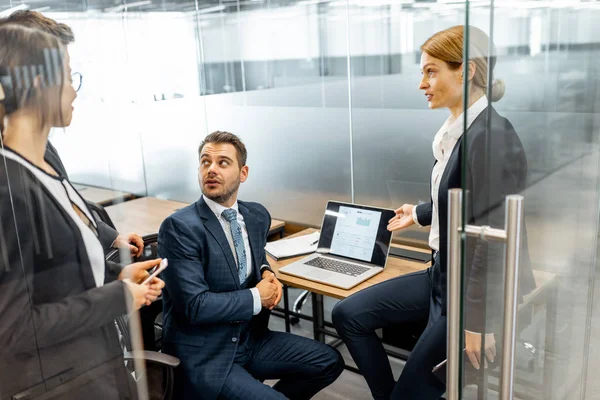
point(204, 307)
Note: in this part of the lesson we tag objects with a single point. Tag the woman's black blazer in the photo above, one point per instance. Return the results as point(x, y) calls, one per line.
point(495, 166)
point(57, 331)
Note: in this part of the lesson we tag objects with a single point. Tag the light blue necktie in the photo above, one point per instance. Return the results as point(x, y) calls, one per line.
point(230, 216)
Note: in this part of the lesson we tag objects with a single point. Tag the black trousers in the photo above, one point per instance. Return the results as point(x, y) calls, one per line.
point(402, 300)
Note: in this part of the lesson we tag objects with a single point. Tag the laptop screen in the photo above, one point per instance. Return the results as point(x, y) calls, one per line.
point(356, 232)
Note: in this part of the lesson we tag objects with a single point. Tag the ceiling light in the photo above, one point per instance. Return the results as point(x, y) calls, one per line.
point(125, 7)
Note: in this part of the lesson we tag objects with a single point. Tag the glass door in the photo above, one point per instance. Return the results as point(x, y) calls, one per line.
point(523, 226)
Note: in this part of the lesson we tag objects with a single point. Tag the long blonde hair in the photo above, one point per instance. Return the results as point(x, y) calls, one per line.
point(448, 45)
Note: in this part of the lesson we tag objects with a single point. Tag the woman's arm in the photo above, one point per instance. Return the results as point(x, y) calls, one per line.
point(26, 325)
point(422, 212)
point(492, 175)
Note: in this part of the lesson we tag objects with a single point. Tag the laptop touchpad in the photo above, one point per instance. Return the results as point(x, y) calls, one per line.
point(319, 274)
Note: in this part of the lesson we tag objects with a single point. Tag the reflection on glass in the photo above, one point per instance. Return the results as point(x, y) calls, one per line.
point(325, 95)
point(76, 80)
point(60, 297)
point(546, 70)
point(58, 305)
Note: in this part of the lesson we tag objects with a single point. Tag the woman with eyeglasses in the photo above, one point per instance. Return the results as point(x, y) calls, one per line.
point(76, 80)
point(58, 296)
point(495, 166)
point(108, 236)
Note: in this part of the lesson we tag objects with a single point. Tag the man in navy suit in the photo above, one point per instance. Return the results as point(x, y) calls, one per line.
point(220, 290)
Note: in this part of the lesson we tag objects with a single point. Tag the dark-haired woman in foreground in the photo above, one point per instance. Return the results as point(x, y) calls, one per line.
point(58, 296)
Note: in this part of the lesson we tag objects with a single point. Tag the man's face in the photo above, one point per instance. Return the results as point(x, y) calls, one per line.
point(220, 174)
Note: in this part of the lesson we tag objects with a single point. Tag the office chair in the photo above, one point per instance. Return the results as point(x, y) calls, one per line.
point(100, 213)
point(298, 304)
point(152, 332)
point(151, 316)
point(160, 367)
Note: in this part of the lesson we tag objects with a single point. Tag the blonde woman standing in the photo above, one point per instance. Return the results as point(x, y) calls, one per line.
point(489, 178)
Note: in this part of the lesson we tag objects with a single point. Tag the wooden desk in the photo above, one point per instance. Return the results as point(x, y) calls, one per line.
point(277, 227)
point(104, 197)
point(144, 215)
point(543, 293)
point(394, 268)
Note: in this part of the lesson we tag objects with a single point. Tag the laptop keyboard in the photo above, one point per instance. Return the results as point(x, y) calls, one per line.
point(336, 266)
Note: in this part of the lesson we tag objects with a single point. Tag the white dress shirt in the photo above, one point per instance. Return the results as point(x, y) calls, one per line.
point(443, 145)
point(218, 209)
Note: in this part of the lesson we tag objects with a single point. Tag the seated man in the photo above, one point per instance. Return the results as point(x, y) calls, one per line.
point(220, 290)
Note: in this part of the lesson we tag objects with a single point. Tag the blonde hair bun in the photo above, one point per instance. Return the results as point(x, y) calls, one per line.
point(498, 89)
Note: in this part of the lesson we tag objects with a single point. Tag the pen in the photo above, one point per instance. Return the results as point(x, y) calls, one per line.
point(315, 242)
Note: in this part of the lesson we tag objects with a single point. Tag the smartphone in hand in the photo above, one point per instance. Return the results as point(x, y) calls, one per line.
point(161, 267)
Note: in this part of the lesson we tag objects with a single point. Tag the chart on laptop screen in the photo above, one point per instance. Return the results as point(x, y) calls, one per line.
point(355, 233)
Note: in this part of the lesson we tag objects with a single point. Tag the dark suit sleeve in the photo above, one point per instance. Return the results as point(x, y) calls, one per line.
point(492, 175)
point(112, 271)
point(264, 264)
point(27, 325)
point(106, 235)
point(186, 284)
point(424, 214)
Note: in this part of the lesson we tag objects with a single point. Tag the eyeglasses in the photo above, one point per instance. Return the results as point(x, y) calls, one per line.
point(76, 80)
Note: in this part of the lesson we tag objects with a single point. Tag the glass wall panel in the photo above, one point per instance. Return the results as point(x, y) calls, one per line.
point(547, 57)
point(273, 72)
point(325, 95)
point(102, 147)
point(290, 101)
point(69, 308)
point(172, 121)
point(392, 127)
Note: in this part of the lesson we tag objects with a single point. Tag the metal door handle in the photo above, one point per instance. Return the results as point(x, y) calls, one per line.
point(511, 235)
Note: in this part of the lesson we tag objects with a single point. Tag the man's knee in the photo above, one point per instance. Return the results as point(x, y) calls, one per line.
point(333, 364)
point(347, 318)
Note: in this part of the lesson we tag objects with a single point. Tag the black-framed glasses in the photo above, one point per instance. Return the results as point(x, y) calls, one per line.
point(76, 80)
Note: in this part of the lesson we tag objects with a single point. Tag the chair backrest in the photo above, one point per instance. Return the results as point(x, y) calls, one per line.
point(150, 250)
point(150, 332)
point(100, 214)
point(125, 334)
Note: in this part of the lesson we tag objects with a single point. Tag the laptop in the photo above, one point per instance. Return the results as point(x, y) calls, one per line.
point(353, 246)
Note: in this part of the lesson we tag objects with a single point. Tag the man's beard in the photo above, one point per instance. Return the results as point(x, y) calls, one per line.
point(225, 196)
